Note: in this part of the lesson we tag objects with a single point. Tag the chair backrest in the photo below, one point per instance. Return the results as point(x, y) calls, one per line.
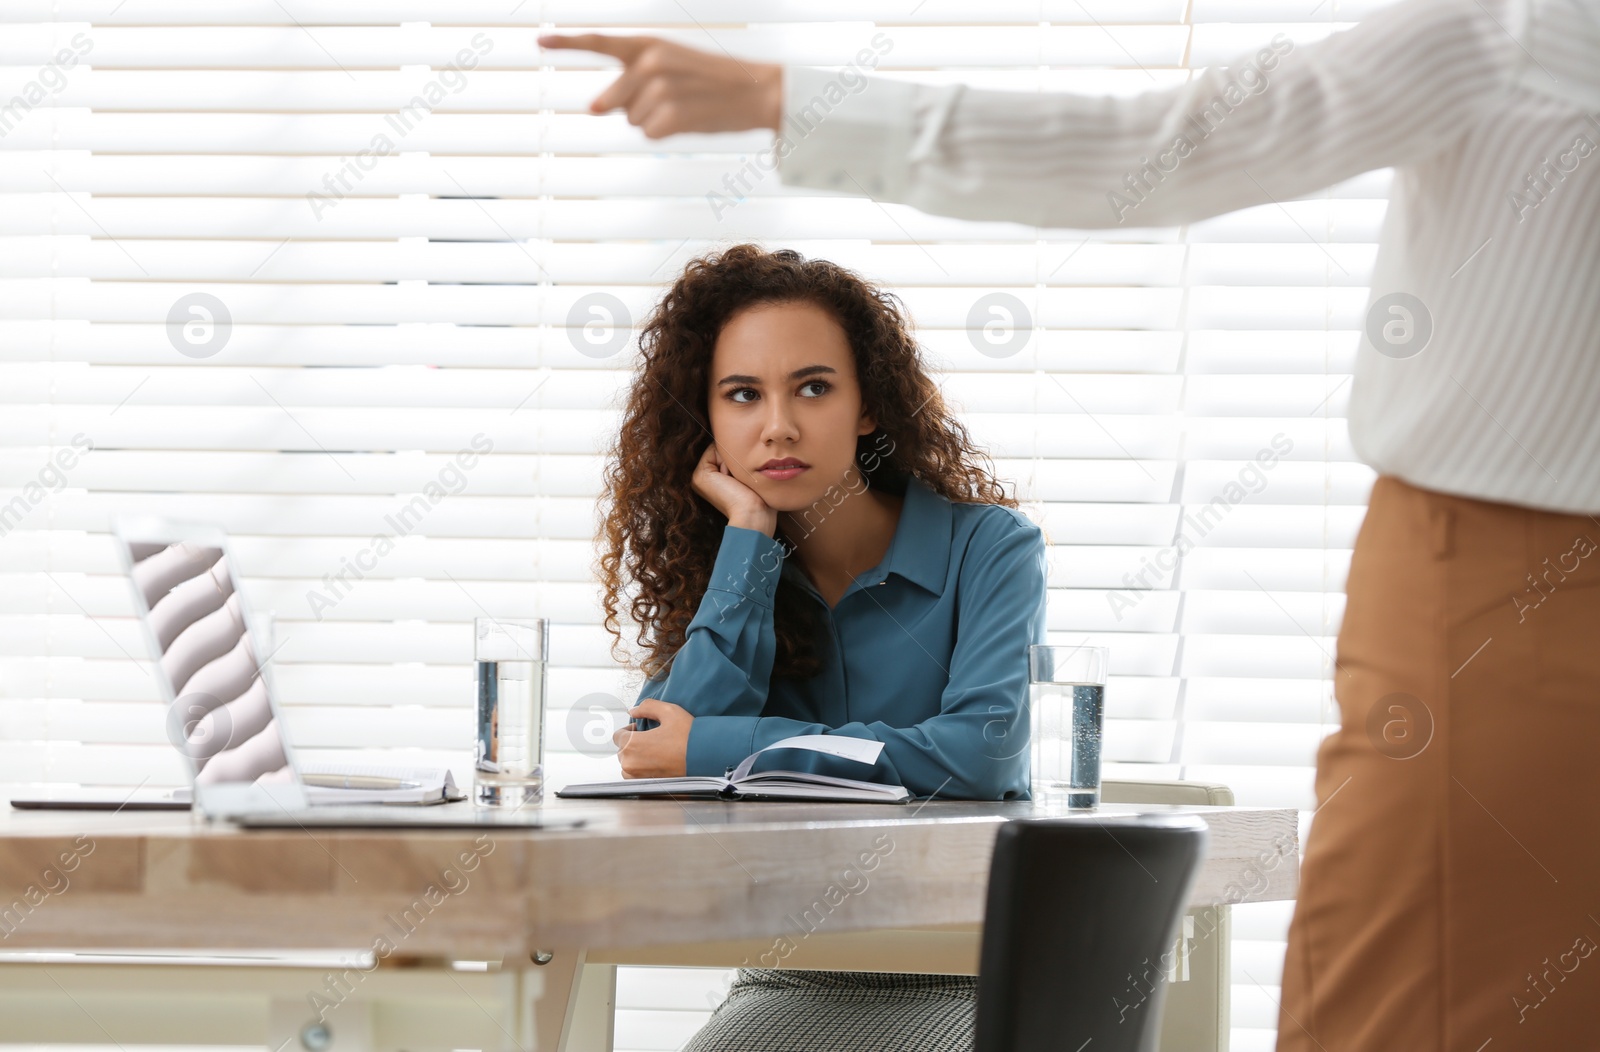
point(1158, 791)
point(1080, 913)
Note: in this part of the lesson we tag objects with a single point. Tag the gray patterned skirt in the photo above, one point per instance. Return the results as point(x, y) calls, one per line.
point(797, 1010)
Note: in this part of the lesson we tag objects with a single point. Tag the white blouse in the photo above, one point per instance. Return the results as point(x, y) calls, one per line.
point(1484, 380)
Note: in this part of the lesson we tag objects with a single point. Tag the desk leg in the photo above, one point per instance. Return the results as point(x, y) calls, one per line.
point(594, 1010)
point(1195, 1010)
point(566, 1004)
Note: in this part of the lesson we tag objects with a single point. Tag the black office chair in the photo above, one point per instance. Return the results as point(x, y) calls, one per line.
point(1078, 932)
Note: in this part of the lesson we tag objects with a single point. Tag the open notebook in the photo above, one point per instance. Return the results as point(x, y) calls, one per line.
point(767, 785)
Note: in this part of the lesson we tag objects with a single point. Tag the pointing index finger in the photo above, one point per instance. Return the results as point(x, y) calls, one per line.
point(625, 48)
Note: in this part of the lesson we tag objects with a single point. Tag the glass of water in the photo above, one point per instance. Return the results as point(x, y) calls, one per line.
point(509, 771)
point(1067, 690)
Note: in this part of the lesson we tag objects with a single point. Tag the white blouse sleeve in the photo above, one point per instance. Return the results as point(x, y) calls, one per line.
point(1275, 124)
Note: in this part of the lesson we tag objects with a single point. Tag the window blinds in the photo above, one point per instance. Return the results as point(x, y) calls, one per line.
point(274, 265)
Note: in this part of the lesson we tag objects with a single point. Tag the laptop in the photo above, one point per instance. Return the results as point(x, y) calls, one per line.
point(223, 715)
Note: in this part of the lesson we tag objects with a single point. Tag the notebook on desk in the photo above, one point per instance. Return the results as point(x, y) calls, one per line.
point(740, 784)
point(347, 783)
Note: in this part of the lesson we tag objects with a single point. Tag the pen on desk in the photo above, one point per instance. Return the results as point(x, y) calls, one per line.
point(357, 781)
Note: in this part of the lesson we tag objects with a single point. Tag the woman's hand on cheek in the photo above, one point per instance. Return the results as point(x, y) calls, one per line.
point(660, 752)
point(714, 480)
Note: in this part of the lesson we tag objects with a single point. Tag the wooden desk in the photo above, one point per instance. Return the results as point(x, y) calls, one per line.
point(866, 887)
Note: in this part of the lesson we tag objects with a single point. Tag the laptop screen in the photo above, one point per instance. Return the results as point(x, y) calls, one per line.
point(209, 665)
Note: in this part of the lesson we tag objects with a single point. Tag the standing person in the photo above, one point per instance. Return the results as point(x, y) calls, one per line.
point(816, 548)
point(1451, 878)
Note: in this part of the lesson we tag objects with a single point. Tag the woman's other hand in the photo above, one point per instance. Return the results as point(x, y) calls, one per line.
point(663, 750)
point(743, 506)
point(668, 88)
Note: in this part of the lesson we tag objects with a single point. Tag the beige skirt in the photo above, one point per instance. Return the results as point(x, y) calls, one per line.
point(1449, 899)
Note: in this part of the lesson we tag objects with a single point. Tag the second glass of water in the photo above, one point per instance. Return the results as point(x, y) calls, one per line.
point(511, 655)
point(1067, 689)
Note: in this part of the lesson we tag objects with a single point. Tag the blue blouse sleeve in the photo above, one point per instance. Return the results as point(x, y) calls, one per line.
point(977, 747)
point(725, 664)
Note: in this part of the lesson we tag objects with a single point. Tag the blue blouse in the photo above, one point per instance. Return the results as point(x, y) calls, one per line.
point(926, 652)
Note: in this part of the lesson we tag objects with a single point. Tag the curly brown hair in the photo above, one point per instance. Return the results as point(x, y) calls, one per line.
point(664, 536)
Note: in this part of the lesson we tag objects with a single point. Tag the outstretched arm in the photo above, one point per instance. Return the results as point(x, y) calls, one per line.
point(1274, 124)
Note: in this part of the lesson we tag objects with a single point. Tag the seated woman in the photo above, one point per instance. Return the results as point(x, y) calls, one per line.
point(814, 548)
